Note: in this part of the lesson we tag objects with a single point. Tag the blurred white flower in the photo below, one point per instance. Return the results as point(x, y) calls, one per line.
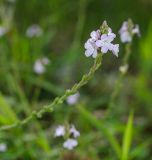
point(127, 31)
point(125, 35)
point(3, 31)
point(123, 69)
point(34, 31)
point(73, 99)
point(39, 65)
point(70, 143)
point(60, 131)
point(136, 30)
point(74, 132)
point(3, 147)
point(101, 42)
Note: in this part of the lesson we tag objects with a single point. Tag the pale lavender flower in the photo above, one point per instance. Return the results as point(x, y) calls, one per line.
point(60, 131)
point(136, 30)
point(34, 31)
point(101, 42)
point(73, 99)
point(105, 43)
point(70, 143)
point(74, 132)
point(91, 48)
point(39, 65)
point(115, 49)
point(3, 31)
point(90, 45)
point(125, 37)
point(3, 147)
point(127, 31)
point(71, 131)
point(95, 35)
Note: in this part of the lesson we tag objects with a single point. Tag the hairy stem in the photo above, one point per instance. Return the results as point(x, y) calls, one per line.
point(59, 100)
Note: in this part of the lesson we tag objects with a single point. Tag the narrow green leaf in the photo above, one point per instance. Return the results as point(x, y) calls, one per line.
point(100, 126)
point(7, 115)
point(127, 138)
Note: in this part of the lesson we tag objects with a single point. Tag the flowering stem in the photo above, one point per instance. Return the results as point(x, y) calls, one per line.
point(59, 100)
point(119, 81)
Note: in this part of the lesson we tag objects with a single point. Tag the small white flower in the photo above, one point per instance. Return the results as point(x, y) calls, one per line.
point(105, 43)
point(123, 69)
point(136, 30)
point(71, 100)
point(3, 147)
point(124, 27)
point(3, 31)
point(126, 33)
point(34, 31)
point(70, 143)
point(60, 131)
point(115, 49)
point(125, 37)
point(101, 42)
point(91, 48)
point(74, 132)
point(90, 45)
point(39, 66)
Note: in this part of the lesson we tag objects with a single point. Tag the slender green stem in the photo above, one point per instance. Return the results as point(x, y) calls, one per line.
point(119, 81)
point(59, 100)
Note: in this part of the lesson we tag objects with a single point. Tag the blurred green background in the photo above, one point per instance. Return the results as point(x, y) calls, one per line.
point(65, 26)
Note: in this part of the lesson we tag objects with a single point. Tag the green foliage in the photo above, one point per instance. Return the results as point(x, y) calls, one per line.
point(66, 26)
point(127, 139)
point(7, 115)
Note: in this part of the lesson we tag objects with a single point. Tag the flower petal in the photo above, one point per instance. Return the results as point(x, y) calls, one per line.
point(115, 49)
point(88, 52)
point(99, 43)
point(70, 143)
point(104, 49)
point(94, 55)
point(125, 37)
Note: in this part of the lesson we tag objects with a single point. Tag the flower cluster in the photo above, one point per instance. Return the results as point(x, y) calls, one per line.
point(71, 132)
point(101, 41)
point(128, 30)
point(39, 65)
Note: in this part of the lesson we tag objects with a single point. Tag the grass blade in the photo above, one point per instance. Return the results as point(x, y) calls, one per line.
point(99, 125)
point(127, 138)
